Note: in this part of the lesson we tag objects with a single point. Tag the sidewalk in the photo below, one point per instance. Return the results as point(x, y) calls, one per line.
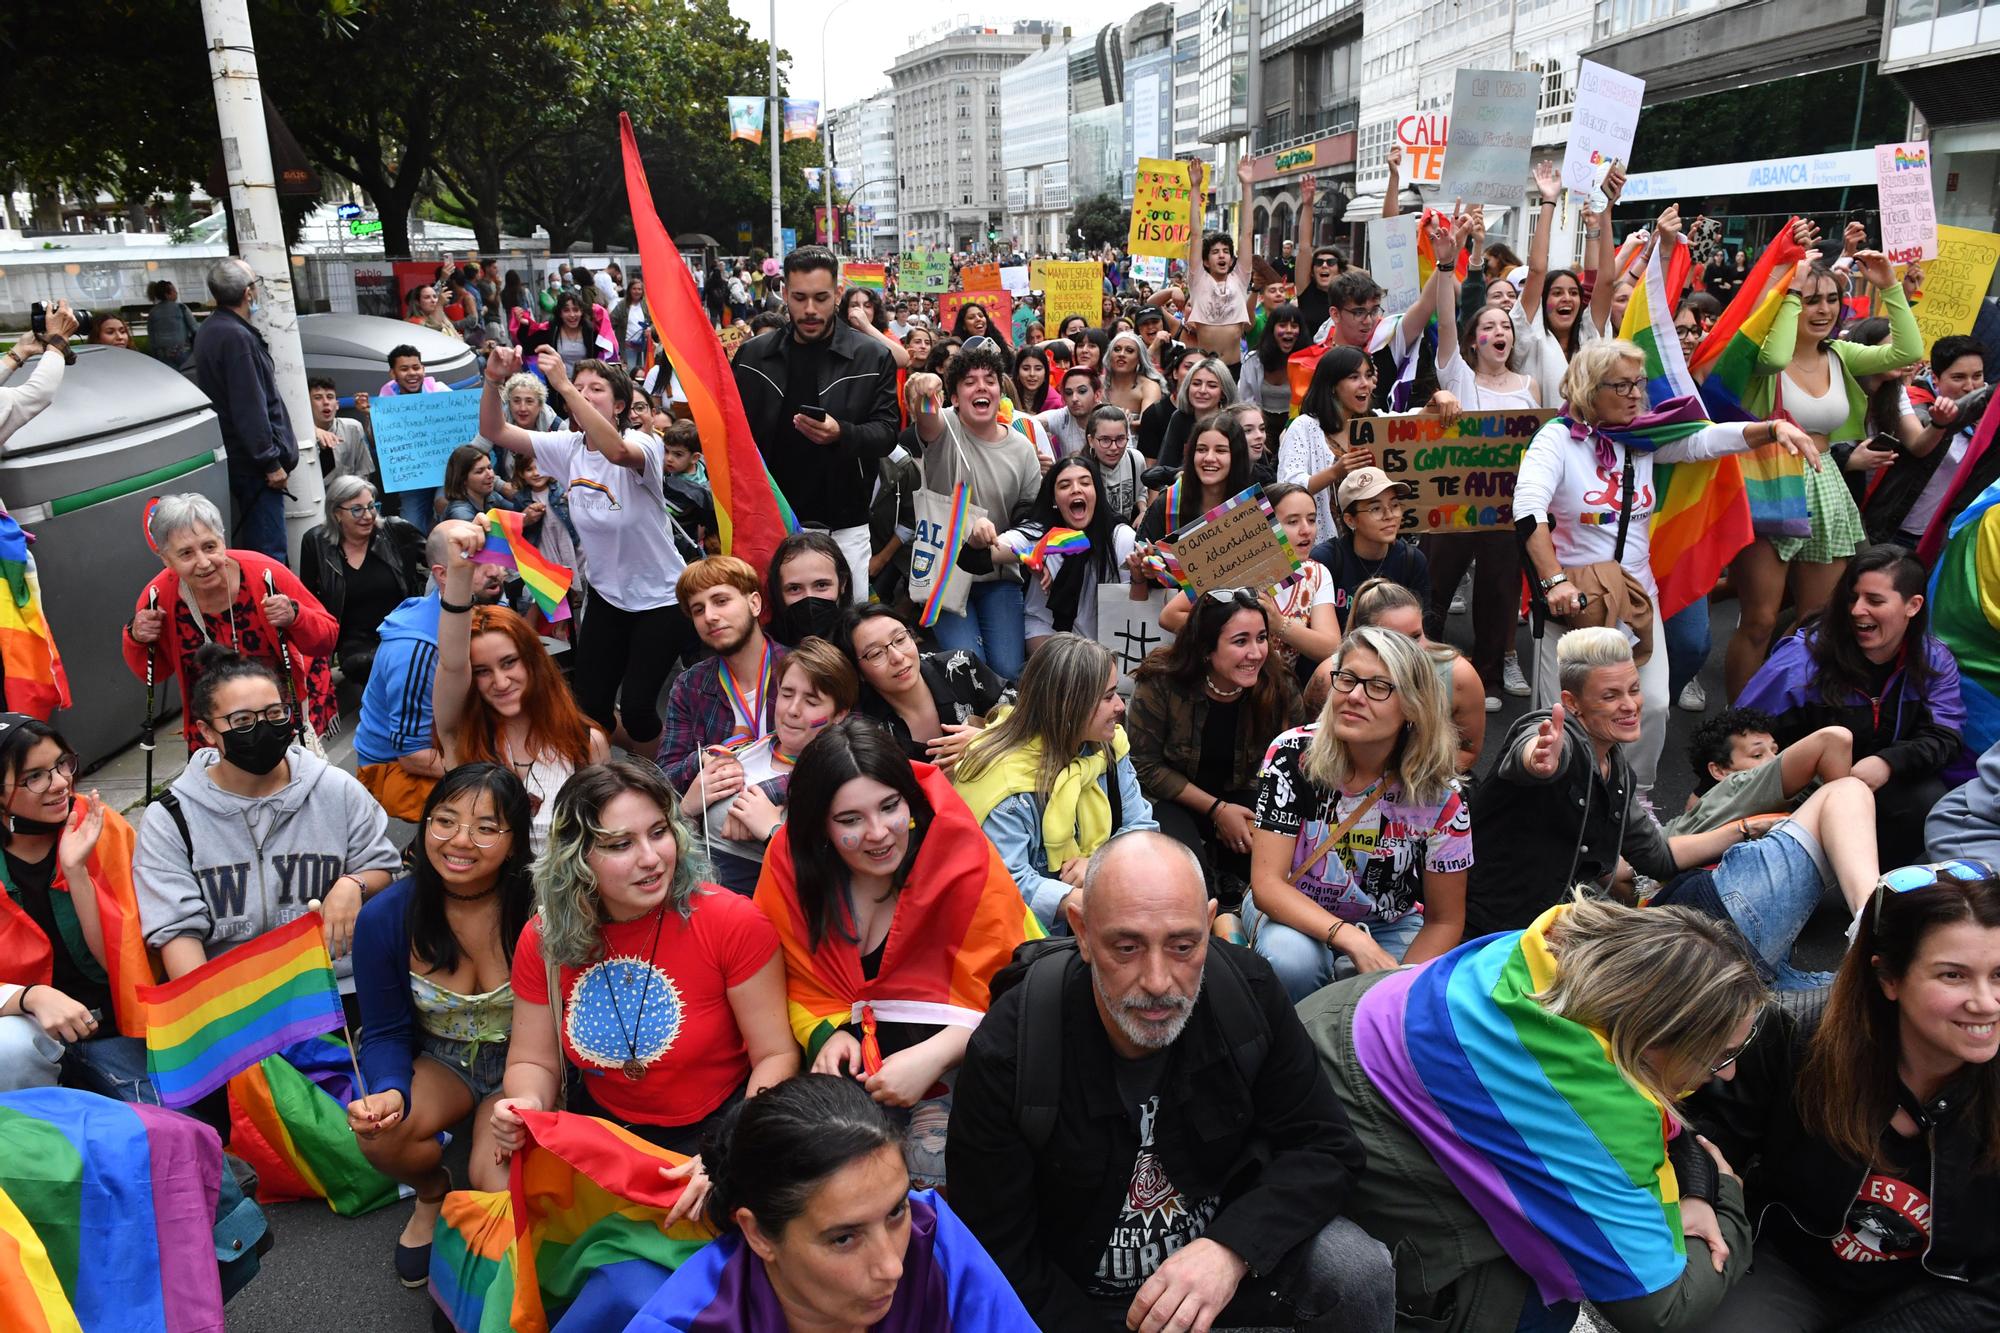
point(120, 781)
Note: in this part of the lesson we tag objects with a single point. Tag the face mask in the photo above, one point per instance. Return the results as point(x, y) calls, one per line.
point(258, 749)
point(805, 618)
point(21, 824)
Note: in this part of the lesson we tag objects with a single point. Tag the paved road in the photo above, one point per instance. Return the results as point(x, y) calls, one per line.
point(328, 1272)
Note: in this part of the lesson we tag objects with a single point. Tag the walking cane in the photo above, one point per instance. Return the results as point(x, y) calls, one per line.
point(146, 727)
point(285, 660)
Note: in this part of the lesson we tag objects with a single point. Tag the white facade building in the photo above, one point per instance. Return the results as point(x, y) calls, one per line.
point(1034, 149)
point(863, 138)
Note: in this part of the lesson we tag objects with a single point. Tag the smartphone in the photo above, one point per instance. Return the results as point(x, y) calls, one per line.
point(816, 413)
point(1891, 443)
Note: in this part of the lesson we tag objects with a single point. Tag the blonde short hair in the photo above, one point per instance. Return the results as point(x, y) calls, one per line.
point(1582, 651)
point(1594, 363)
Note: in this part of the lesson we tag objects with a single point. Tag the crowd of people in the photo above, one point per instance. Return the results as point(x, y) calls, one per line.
point(1252, 990)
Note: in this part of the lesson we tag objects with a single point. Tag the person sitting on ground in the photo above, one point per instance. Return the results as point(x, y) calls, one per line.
point(809, 587)
point(1170, 1133)
point(1872, 1115)
point(1740, 771)
point(256, 831)
point(815, 1208)
point(1304, 628)
point(895, 913)
point(657, 1030)
point(432, 954)
point(815, 687)
point(1108, 440)
point(1051, 778)
point(726, 700)
point(931, 704)
point(1205, 389)
point(1966, 823)
point(1870, 664)
point(69, 994)
point(1205, 708)
point(1516, 1099)
point(1062, 595)
point(361, 567)
point(1314, 451)
point(1394, 607)
point(1068, 426)
point(1361, 839)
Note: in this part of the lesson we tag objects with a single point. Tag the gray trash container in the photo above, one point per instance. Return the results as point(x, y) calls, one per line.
point(353, 350)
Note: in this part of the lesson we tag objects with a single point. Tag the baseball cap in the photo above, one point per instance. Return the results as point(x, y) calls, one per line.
point(1365, 484)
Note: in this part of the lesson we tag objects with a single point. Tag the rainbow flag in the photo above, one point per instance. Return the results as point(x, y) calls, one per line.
point(954, 533)
point(26, 954)
point(575, 1242)
point(36, 682)
point(1575, 1184)
point(875, 277)
point(548, 582)
point(751, 514)
point(107, 1217)
point(288, 1119)
point(1056, 541)
point(1965, 613)
point(232, 1011)
point(961, 927)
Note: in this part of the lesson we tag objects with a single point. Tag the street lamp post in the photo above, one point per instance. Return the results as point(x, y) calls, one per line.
point(826, 130)
point(775, 128)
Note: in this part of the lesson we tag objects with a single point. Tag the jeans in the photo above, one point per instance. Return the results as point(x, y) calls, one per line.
point(1768, 888)
point(1305, 964)
point(418, 507)
point(624, 657)
point(1687, 645)
point(993, 627)
point(112, 1066)
point(257, 515)
point(1342, 1278)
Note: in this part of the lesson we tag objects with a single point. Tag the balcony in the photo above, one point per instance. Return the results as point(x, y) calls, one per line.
point(1285, 130)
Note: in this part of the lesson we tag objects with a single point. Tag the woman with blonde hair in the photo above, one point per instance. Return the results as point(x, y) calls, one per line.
point(1385, 602)
point(1518, 1102)
point(1051, 779)
point(1362, 837)
point(1130, 381)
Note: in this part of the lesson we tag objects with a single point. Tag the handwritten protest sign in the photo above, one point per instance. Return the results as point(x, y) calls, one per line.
point(1463, 474)
point(1423, 139)
point(1150, 269)
point(1163, 209)
point(1237, 544)
point(1014, 279)
point(732, 337)
point(1903, 191)
point(1601, 126)
point(925, 271)
point(416, 432)
point(979, 277)
point(1956, 282)
point(1129, 629)
point(1070, 289)
point(999, 309)
point(1392, 259)
point(1492, 135)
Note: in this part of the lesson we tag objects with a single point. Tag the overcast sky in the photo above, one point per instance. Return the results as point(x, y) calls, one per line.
point(863, 37)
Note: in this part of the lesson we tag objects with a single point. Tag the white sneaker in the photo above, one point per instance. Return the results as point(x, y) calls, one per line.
point(1457, 605)
point(1694, 699)
point(1492, 704)
point(1511, 679)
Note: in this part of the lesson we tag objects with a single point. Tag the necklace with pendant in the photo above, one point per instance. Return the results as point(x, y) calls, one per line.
point(634, 1068)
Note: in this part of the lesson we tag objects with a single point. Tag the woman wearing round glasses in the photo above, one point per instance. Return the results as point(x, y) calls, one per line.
point(1587, 483)
point(933, 704)
point(1873, 1114)
point(361, 566)
point(432, 954)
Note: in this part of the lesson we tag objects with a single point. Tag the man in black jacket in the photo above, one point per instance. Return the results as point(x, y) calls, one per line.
point(821, 399)
point(232, 365)
point(1185, 1163)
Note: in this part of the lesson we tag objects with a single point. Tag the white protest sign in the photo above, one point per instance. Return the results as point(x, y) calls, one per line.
point(1423, 137)
point(1014, 280)
point(1903, 191)
point(1602, 124)
point(1130, 629)
point(1150, 269)
point(416, 432)
point(1392, 260)
point(1492, 136)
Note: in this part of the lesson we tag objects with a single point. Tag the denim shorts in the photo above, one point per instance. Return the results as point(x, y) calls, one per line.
point(1768, 888)
point(480, 1066)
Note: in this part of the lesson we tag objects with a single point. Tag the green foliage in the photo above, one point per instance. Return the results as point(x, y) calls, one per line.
point(1102, 219)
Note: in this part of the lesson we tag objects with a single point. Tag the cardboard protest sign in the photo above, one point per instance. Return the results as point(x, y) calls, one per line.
point(999, 309)
point(1956, 282)
point(1423, 139)
point(925, 271)
point(1492, 136)
point(1163, 209)
point(1463, 474)
point(1237, 544)
point(1602, 124)
point(1903, 191)
point(1392, 259)
point(1129, 629)
point(979, 277)
point(732, 336)
point(1070, 288)
point(416, 432)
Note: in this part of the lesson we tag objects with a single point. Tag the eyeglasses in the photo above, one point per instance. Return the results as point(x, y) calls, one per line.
point(1107, 440)
point(245, 718)
point(1624, 388)
point(1363, 311)
point(1379, 509)
point(37, 780)
point(482, 834)
point(901, 641)
point(1733, 1056)
point(1377, 688)
point(361, 510)
point(1909, 879)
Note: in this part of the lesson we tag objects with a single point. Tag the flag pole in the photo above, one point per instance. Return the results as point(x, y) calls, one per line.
point(146, 742)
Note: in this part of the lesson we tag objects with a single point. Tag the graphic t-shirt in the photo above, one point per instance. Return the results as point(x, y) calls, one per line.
point(1376, 871)
point(1888, 1222)
point(1220, 304)
point(620, 516)
point(670, 1010)
point(1886, 1230)
point(1157, 1218)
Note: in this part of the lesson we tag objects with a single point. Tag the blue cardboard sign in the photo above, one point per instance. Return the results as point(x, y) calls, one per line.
point(416, 432)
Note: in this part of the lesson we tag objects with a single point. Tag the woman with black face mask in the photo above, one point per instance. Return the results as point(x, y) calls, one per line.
point(810, 585)
point(256, 831)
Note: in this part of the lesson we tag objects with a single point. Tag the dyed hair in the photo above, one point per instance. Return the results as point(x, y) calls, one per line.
point(771, 1153)
point(432, 939)
point(854, 747)
point(566, 887)
point(1591, 365)
point(555, 723)
point(714, 571)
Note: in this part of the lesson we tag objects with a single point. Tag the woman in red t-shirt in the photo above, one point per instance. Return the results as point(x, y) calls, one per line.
point(673, 991)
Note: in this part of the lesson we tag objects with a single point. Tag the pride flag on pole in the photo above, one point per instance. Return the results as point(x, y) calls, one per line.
point(547, 582)
point(36, 682)
point(751, 514)
point(232, 1011)
point(288, 1119)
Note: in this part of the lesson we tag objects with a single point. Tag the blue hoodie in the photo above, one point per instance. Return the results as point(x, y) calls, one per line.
point(396, 706)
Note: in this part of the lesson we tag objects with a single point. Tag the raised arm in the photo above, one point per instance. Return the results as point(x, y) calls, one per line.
point(599, 434)
point(452, 686)
point(1392, 189)
point(1196, 169)
point(502, 362)
point(1607, 252)
point(1548, 180)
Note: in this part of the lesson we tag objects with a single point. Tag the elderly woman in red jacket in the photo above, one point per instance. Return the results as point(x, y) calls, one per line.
point(208, 593)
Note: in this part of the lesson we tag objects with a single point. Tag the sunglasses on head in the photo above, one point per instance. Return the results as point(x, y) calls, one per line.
point(1910, 879)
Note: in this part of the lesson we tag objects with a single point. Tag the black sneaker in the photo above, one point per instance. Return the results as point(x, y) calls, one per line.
point(413, 1265)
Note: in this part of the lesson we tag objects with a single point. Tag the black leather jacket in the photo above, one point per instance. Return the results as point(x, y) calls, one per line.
point(323, 569)
point(828, 484)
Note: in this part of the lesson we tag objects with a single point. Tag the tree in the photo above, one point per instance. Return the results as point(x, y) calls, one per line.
point(1102, 219)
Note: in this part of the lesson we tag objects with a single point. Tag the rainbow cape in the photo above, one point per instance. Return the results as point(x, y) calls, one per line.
point(954, 534)
point(957, 923)
point(1056, 541)
point(1524, 1111)
point(107, 1217)
point(949, 1285)
point(1965, 613)
point(36, 682)
point(751, 514)
point(232, 1011)
point(547, 582)
point(25, 952)
point(288, 1118)
point(576, 1242)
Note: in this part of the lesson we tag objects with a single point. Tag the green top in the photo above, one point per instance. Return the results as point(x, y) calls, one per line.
point(1905, 347)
